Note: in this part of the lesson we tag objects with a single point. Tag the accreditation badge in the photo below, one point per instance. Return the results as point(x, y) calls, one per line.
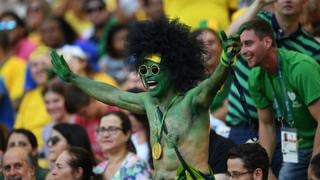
point(289, 145)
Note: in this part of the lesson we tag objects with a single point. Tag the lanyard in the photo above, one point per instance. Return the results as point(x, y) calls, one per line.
point(280, 115)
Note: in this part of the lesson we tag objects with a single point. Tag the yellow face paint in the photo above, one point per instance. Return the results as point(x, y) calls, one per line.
point(153, 57)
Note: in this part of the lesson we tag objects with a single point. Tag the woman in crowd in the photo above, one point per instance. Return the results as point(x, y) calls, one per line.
point(212, 50)
point(27, 140)
point(114, 62)
point(64, 136)
point(114, 134)
point(54, 98)
point(75, 163)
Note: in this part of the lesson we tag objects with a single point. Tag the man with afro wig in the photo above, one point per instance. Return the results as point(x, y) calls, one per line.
point(170, 63)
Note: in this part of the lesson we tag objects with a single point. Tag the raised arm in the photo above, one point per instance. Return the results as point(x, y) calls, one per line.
point(100, 91)
point(250, 14)
point(209, 87)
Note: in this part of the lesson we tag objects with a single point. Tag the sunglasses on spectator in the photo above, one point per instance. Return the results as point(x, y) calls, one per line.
point(143, 69)
point(53, 140)
point(111, 130)
point(95, 9)
point(8, 25)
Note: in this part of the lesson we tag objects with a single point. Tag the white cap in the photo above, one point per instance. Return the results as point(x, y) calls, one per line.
point(69, 52)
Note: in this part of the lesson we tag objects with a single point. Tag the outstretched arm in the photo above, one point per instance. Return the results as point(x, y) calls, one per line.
point(100, 91)
point(250, 14)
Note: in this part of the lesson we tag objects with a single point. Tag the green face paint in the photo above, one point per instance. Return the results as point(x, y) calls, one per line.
point(156, 83)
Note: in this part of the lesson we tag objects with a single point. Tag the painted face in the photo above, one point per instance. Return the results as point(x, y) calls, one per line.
point(57, 144)
point(55, 105)
point(110, 135)
point(20, 140)
point(156, 81)
point(253, 49)
point(290, 7)
point(213, 49)
point(236, 170)
point(62, 170)
point(16, 165)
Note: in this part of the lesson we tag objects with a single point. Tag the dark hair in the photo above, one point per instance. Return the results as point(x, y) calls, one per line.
point(69, 33)
point(75, 99)
point(110, 39)
point(253, 156)
point(180, 52)
point(81, 158)
point(28, 134)
point(4, 41)
point(56, 87)
point(125, 125)
point(74, 134)
point(315, 165)
point(3, 137)
point(261, 28)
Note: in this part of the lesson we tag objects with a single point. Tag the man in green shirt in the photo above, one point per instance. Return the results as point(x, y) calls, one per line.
point(282, 89)
point(169, 62)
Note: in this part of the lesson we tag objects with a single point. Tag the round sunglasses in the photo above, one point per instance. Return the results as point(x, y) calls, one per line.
point(154, 69)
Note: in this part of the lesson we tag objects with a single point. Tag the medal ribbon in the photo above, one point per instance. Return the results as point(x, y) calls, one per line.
point(159, 135)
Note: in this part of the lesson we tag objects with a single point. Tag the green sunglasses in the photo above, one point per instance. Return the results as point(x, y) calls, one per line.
point(154, 69)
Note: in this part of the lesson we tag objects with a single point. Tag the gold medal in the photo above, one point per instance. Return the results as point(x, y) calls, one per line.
point(156, 150)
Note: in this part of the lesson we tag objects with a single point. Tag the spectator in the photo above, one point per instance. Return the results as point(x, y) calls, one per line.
point(18, 164)
point(74, 163)
point(32, 102)
point(27, 140)
point(56, 32)
point(153, 9)
point(218, 149)
point(21, 46)
point(37, 12)
point(114, 62)
point(248, 161)
point(54, 98)
point(102, 20)
point(289, 35)
point(315, 167)
point(87, 113)
point(282, 90)
point(212, 51)
point(66, 135)
point(12, 69)
point(114, 133)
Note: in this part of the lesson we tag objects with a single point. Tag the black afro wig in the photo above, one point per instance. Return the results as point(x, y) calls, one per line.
point(180, 52)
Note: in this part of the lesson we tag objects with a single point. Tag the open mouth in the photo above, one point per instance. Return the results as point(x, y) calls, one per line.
point(152, 84)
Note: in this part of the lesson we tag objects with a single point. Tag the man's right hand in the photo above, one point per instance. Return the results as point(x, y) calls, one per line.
point(60, 67)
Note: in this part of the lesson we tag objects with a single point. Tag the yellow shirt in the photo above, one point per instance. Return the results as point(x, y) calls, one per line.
point(32, 114)
point(13, 71)
point(192, 12)
point(102, 77)
point(82, 27)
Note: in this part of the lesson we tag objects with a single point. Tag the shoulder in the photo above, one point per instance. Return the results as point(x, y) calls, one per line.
point(100, 168)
